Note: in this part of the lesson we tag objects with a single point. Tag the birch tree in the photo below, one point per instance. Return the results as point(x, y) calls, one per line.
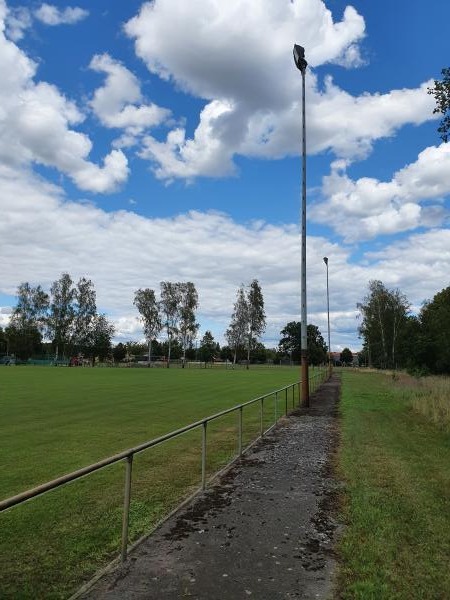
point(187, 326)
point(384, 314)
point(30, 310)
point(84, 312)
point(62, 312)
point(236, 332)
point(24, 332)
point(170, 308)
point(256, 317)
point(149, 311)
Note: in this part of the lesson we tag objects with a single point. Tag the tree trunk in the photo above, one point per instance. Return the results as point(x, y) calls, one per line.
point(394, 339)
point(383, 340)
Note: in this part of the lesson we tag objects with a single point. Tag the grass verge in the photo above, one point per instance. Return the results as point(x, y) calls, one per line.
point(396, 507)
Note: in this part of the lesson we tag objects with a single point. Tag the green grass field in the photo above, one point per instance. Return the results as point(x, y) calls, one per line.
point(396, 506)
point(56, 420)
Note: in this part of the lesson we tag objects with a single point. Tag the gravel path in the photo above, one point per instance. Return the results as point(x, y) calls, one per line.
point(265, 531)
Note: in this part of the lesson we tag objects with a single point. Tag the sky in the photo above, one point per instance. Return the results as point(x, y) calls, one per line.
point(151, 141)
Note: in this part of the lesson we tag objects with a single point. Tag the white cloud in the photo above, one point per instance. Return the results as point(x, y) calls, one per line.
point(52, 15)
point(348, 125)
point(220, 52)
point(206, 154)
point(236, 49)
point(418, 265)
point(36, 125)
point(251, 107)
point(42, 235)
point(428, 177)
point(5, 313)
point(366, 208)
point(116, 103)
point(106, 178)
point(18, 20)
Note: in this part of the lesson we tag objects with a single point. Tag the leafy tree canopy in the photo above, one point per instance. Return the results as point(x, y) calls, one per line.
point(384, 314)
point(208, 347)
point(435, 332)
point(346, 356)
point(290, 343)
point(441, 92)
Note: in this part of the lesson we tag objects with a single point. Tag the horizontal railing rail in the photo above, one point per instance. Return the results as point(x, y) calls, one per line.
point(128, 455)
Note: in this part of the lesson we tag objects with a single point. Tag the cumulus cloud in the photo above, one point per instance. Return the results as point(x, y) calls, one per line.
point(251, 89)
point(118, 103)
point(52, 15)
point(42, 234)
point(18, 20)
point(216, 49)
point(366, 208)
point(37, 125)
point(206, 154)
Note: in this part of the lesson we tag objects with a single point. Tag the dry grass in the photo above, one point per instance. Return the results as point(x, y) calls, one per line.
point(429, 396)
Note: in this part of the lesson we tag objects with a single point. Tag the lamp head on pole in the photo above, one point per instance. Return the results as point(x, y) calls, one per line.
point(299, 58)
point(325, 260)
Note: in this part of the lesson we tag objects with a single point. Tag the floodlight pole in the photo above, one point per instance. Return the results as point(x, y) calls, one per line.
point(325, 260)
point(301, 64)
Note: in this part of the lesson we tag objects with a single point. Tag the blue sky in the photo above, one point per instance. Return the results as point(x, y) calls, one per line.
point(142, 142)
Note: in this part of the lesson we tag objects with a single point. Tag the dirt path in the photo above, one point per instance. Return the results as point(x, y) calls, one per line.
point(265, 532)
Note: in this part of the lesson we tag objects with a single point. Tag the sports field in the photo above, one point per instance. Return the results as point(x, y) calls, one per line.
point(56, 420)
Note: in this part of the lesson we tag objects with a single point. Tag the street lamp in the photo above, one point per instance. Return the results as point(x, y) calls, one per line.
point(301, 64)
point(325, 260)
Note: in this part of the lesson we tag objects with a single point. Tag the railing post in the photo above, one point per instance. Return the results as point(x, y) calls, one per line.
point(240, 431)
point(276, 406)
point(293, 395)
point(205, 423)
point(299, 395)
point(262, 417)
point(126, 506)
point(286, 400)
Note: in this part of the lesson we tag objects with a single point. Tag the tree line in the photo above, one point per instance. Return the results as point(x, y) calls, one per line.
point(67, 317)
point(395, 338)
point(174, 312)
point(65, 322)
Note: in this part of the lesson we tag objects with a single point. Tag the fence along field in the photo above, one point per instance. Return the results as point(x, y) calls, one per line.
point(58, 420)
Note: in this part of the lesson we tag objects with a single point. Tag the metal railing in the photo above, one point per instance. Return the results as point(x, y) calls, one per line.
point(287, 393)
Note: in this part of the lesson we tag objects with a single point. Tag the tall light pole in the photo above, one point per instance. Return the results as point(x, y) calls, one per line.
point(301, 64)
point(325, 260)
